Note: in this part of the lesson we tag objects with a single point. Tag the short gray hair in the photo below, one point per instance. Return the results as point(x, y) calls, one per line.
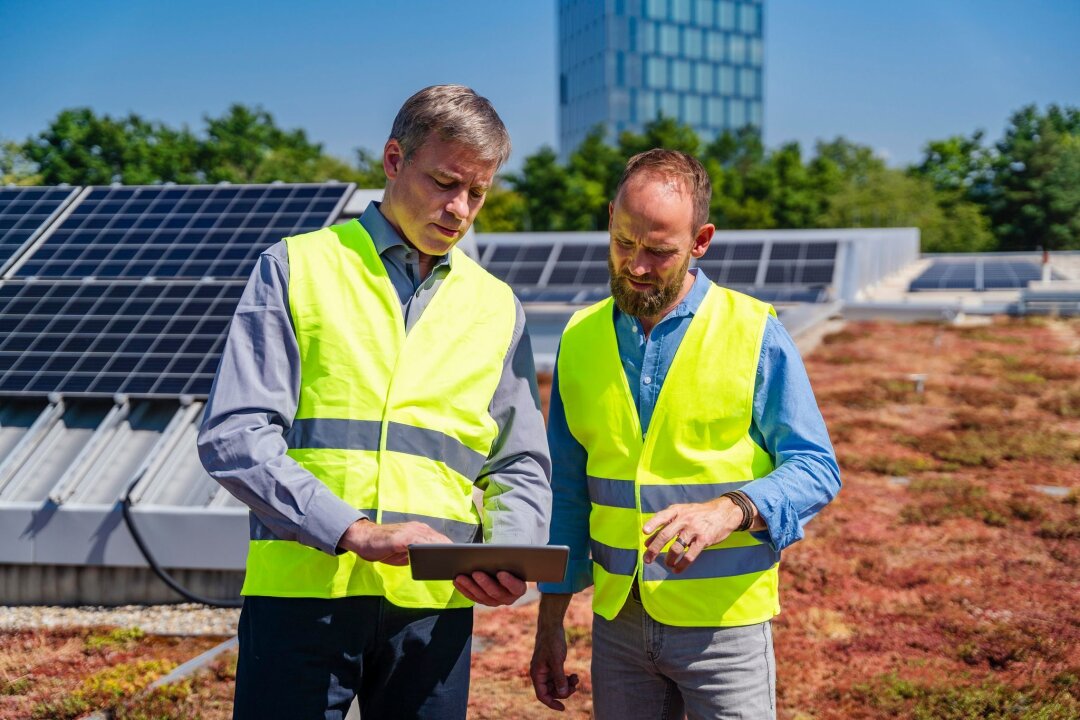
point(454, 113)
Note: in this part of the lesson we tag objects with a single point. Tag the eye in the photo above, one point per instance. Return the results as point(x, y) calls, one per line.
point(478, 193)
point(443, 185)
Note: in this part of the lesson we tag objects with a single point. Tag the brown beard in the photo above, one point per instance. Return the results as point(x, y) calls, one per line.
point(644, 303)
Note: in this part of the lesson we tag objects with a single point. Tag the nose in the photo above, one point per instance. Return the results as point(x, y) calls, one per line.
point(637, 265)
point(458, 205)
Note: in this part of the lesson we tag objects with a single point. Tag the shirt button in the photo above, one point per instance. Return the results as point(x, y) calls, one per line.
point(647, 380)
point(634, 328)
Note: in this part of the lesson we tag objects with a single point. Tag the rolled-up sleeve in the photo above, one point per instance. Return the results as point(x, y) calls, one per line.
point(252, 403)
point(516, 479)
point(788, 425)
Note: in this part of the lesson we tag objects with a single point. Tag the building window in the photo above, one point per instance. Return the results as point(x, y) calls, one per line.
point(748, 19)
point(620, 69)
point(681, 74)
point(715, 46)
point(748, 83)
point(727, 15)
point(715, 108)
point(680, 10)
point(738, 114)
point(726, 80)
point(669, 104)
point(691, 110)
point(737, 50)
point(757, 51)
point(703, 80)
point(632, 35)
point(655, 72)
point(755, 114)
point(691, 43)
point(704, 13)
point(669, 40)
point(656, 9)
point(646, 106)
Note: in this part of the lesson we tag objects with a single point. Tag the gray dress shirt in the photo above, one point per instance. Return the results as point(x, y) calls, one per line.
point(255, 394)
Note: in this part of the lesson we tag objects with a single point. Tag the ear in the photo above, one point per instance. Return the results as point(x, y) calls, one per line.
point(393, 158)
point(702, 239)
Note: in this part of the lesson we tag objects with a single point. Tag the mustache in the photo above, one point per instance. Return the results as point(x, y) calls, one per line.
point(643, 280)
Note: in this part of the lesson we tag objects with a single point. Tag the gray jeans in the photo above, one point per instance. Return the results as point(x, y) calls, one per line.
point(645, 669)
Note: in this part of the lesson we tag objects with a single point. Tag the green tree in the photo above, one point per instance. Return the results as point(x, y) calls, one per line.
point(503, 211)
point(15, 167)
point(1034, 201)
point(81, 148)
point(245, 145)
point(544, 185)
point(663, 132)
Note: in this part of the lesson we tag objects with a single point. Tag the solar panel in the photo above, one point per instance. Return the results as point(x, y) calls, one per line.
point(90, 338)
point(24, 213)
point(519, 264)
point(580, 264)
point(180, 231)
point(978, 273)
point(801, 263)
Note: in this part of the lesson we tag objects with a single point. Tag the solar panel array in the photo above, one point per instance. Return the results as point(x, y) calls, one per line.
point(132, 291)
point(567, 271)
point(24, 213)
point(977, 274)
point(101, 338)
point(179, 231)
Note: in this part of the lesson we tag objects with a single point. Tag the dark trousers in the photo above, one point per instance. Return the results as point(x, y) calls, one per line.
point(306, 658)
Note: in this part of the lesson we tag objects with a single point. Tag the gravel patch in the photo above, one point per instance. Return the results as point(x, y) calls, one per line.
point(185, 619)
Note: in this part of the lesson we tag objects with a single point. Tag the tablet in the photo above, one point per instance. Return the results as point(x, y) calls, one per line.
point(535, 563)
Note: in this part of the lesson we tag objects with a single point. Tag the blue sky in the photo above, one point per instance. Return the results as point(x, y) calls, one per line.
point(888, 73)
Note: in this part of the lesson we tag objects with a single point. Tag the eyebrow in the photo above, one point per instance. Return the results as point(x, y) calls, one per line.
point(457, 178)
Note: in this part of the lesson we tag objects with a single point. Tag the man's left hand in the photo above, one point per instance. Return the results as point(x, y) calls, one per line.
point(502, 589)
point(693, 526)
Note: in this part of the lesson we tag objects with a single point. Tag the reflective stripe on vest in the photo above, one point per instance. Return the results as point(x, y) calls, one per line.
point(697, 448)
point(395, 424)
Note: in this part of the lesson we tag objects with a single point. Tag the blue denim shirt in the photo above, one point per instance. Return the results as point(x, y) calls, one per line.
point(786, 423)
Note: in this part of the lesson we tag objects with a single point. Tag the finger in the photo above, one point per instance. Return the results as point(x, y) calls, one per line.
point(398, 558)
point(661, 539)
point(512, 583)
point(660, 519)
point(544, 687)
point(467, 587)
point(493, 588)
point(678, 549)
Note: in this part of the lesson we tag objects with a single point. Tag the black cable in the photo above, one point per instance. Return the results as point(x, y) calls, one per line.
point(125, 509)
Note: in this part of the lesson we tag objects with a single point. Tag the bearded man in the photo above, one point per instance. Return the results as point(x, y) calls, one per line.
point(687, 452)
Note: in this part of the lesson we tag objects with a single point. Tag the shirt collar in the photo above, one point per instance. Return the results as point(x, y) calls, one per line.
point(385, 237)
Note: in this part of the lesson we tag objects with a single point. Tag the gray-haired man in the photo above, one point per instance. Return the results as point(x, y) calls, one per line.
point(374, 376)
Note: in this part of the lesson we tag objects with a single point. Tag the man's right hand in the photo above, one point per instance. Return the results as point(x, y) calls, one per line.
point(547, 669)
point(388, 543)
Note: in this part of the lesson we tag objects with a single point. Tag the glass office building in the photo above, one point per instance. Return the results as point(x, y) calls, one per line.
point(625, 62)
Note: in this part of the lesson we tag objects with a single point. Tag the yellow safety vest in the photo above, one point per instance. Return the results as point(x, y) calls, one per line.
point(698, 446)
point(396, 425)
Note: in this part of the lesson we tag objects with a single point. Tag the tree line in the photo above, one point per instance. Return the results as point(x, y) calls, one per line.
point(966, 194)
